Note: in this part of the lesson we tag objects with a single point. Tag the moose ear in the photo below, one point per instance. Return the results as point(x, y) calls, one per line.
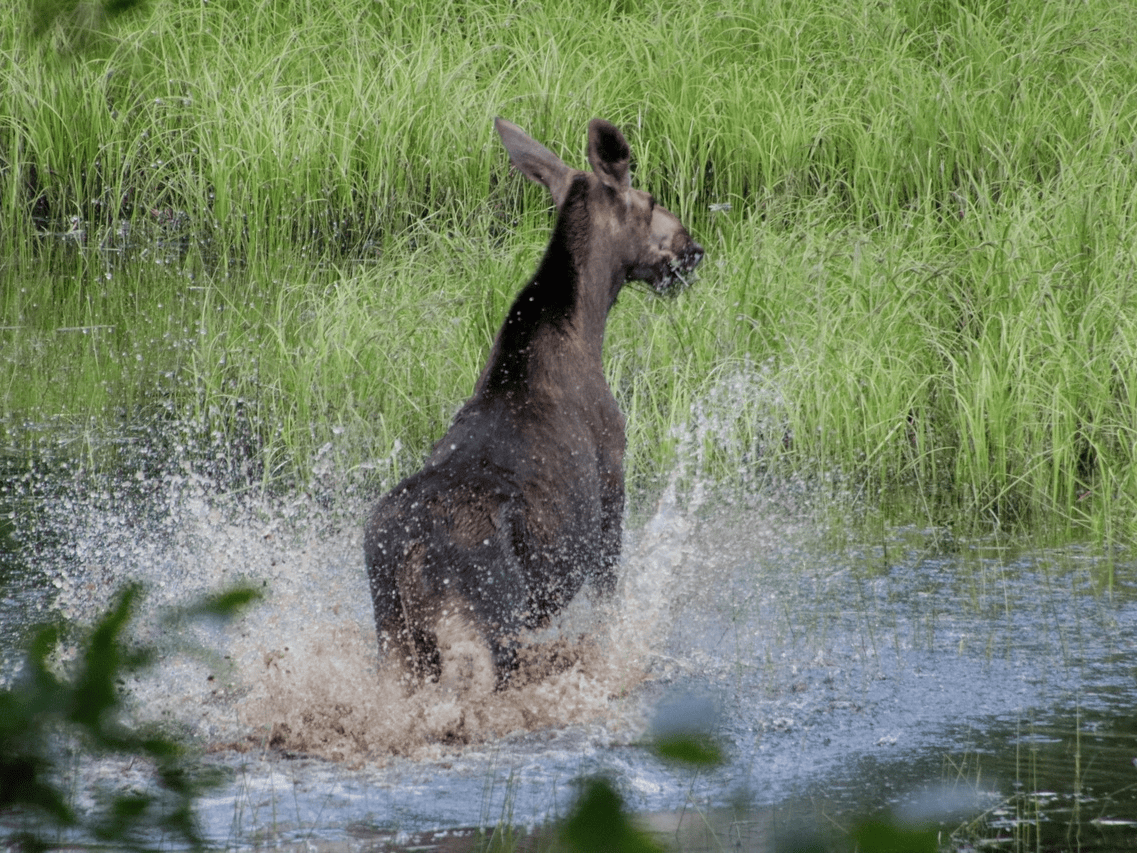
point(609, 154)
point(534, 160)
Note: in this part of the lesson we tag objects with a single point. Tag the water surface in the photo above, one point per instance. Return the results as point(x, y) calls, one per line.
point(983, 688)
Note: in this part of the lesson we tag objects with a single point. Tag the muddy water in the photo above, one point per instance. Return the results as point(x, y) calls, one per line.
point(987, 689)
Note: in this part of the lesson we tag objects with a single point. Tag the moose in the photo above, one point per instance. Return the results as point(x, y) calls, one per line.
point(521, 501)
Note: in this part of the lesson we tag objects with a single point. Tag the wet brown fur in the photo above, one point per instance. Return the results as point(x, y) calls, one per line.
point(521, 502)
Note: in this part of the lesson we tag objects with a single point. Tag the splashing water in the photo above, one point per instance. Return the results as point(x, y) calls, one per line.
point(300, 672)
point(854, 666)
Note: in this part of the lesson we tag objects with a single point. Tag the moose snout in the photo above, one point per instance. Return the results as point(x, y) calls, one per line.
point(689, 258)
point(683, 261)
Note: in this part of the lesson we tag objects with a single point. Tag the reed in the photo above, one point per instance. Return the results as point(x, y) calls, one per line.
point(919, 225)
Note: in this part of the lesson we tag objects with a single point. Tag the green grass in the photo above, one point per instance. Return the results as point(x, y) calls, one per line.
point(920, 297)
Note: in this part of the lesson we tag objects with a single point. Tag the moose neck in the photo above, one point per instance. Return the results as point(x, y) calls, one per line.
point(557, 320)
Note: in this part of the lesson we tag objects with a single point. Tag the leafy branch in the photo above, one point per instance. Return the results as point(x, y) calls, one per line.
point(42, 712)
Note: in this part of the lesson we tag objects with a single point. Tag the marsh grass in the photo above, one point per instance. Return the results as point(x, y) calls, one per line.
point(919, 223)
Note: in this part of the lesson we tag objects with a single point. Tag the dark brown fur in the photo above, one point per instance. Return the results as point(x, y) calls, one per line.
point(522, 500)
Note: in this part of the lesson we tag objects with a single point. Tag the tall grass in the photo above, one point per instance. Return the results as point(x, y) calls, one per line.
point(919, 220)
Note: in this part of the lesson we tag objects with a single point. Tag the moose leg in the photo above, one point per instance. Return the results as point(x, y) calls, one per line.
point(610, 534)
point(398, 655)
point(611, 527)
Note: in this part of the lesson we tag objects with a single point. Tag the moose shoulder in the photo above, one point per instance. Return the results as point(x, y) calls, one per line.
point(522, 500)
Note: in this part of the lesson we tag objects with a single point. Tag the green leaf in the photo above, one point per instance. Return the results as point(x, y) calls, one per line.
point(225, 604)
point(697, 749)
point(883, 836)
point(599, 823)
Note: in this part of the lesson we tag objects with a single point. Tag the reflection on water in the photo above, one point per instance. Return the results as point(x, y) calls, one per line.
point(988, 690)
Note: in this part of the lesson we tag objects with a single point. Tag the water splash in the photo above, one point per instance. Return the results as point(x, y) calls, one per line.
point(323, 691)
point(301, 673)
point(838, 669)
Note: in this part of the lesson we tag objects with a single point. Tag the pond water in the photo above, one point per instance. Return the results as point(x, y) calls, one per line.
point(986, 690)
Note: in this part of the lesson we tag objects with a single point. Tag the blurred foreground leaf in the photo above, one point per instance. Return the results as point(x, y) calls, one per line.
point(882, 836)
point(699, 750)
point(599, 823)
point(43, 714)
point(683, 730)
point(223, 604)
